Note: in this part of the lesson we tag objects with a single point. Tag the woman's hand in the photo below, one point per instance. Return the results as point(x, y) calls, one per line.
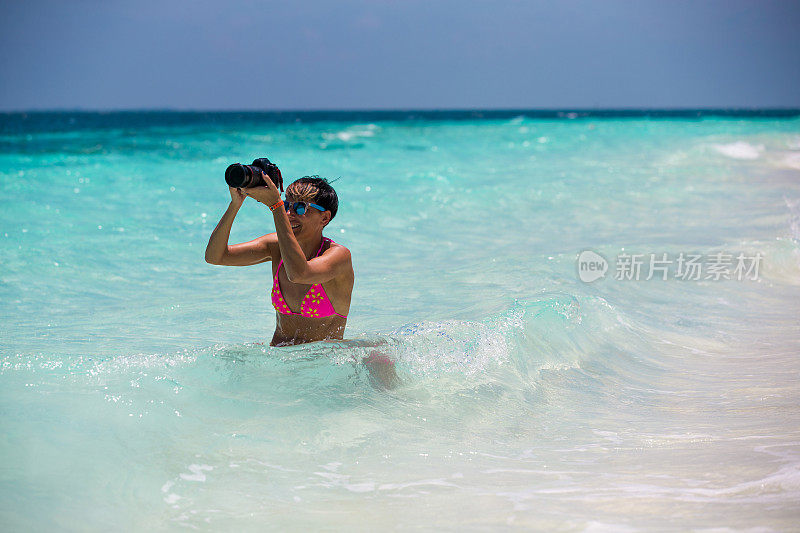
point(237, 196)
point(269, 195)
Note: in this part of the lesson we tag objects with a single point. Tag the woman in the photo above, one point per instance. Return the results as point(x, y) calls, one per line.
point(312, 276)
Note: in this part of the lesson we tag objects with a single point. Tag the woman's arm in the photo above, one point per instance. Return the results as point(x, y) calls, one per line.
point(218, 252)
point(334, 262)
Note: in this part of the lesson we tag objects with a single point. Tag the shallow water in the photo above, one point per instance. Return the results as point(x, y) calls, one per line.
point(136, 391)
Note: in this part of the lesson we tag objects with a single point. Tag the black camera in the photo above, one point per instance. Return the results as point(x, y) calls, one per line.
point(245, 176)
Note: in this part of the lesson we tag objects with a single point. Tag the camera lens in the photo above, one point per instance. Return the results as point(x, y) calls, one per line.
point(246, 176)
point(236, 175)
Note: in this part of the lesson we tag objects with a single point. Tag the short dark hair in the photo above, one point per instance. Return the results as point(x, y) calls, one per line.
point(324, 195)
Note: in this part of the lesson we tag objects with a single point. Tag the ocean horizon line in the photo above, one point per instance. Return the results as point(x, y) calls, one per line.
point(545, 110)
point(14, 122)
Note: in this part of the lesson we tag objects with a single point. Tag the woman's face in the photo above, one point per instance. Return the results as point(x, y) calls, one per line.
point(310, 222)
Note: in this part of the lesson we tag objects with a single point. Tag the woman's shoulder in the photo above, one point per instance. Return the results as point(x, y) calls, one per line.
point(333, 244)
point(337, 249)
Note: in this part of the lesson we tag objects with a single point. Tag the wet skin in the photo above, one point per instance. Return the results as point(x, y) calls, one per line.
point(297, 329)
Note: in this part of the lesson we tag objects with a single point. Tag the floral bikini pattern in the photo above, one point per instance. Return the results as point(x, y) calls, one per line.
point(316, 297)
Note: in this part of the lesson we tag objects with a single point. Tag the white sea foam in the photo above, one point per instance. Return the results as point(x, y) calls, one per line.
point(740, 150)
point(790, 160)
point(197, 473)
point(602, 527)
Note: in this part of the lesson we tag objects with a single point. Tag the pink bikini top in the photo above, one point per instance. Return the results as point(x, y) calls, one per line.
point(315, 303)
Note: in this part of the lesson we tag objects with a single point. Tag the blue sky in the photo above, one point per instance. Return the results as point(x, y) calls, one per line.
point(380, 54)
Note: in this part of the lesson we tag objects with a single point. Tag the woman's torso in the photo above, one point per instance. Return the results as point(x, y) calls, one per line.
point(296, 328)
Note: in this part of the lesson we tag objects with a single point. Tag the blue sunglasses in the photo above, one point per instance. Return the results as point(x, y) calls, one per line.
point(300, 207)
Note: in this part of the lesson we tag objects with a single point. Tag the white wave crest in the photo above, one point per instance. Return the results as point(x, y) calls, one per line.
point(354, 132)
point(740, 150)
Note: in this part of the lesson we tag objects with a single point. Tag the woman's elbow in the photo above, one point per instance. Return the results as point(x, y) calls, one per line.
point(212, 260)
point(217, 257)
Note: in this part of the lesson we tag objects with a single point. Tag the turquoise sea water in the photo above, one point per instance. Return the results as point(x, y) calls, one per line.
point(136, 393)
